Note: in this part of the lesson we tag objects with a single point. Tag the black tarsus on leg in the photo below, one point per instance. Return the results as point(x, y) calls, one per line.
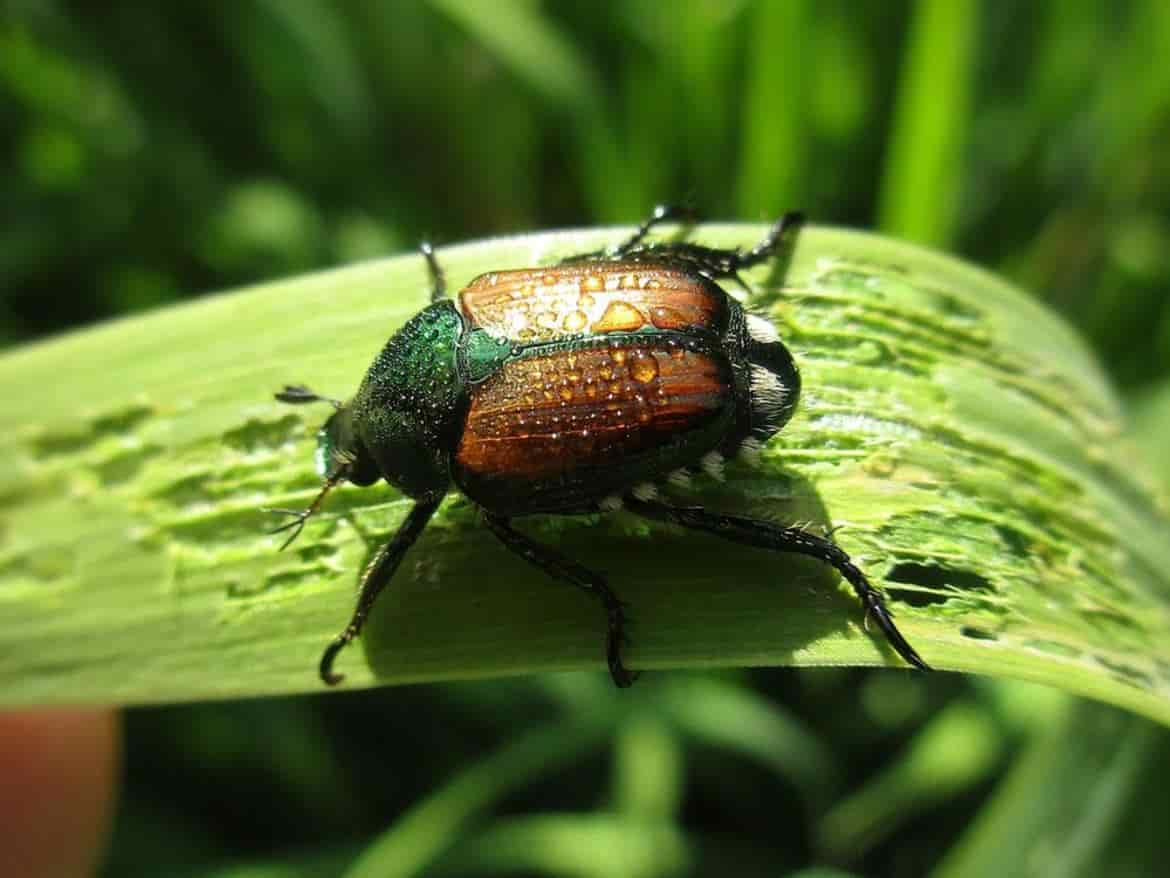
point(558, 566)
point(438, 279)
point(377, 577)
point(763, 534)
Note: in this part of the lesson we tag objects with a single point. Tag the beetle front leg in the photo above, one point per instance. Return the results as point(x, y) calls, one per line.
point(765, 535)
point(558, 566)
point(377, 577)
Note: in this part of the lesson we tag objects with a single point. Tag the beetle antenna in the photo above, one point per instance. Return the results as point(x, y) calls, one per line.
point(300, 516)
point(298, 394)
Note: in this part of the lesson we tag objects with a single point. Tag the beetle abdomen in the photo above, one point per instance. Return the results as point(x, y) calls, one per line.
point(557, 424)
point(542, 305)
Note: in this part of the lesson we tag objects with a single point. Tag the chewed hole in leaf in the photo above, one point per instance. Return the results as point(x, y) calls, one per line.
point(937, 582)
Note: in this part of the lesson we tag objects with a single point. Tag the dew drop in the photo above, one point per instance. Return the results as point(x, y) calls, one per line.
point(620, 317)
point(575, 321)
point(666, 318)
point(643, 367)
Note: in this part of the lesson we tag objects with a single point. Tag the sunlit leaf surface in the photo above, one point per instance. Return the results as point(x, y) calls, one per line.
point(957, 433)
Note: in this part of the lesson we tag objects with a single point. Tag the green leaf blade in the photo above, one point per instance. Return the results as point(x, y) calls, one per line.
point(960, 434)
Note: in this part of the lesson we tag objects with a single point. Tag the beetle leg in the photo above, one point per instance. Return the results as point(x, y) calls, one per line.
point(558, 566)
point(715, 262)
point(766, 249)
point(377, 577)
point(763, 534)
point(438, 279)
point(663, 213)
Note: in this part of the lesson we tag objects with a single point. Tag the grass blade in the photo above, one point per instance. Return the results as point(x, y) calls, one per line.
point(960, 433)
point(920, 195)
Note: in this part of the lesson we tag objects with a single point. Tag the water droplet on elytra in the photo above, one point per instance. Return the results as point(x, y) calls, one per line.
point(620, 317)
point(643, 367)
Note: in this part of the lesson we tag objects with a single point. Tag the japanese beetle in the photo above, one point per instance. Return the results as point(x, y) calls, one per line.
point(573, 389)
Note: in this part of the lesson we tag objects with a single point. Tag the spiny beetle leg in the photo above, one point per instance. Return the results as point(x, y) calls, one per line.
point(663, 213)
point(558, 566)
point(788, 224)
point(763, 534)
point(716, 262)
point(378, 576)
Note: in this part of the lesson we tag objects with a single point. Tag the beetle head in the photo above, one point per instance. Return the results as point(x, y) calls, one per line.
point(341, 454)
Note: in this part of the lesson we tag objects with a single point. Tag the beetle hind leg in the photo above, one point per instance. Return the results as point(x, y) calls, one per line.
point(728, 263)
point(558, 566)
point(765, 535)
point(789, 224)
point(713, 262)
point(663, 213)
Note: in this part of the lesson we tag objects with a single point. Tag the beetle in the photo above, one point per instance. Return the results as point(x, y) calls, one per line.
point(574, 389)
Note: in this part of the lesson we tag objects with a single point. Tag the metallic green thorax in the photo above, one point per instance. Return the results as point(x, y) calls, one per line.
point(401, 421)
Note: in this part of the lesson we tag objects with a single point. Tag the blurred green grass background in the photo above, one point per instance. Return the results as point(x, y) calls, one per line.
point(157, 152)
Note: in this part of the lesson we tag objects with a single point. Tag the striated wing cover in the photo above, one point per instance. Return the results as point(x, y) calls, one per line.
point(591, 417)
point(543, 305)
